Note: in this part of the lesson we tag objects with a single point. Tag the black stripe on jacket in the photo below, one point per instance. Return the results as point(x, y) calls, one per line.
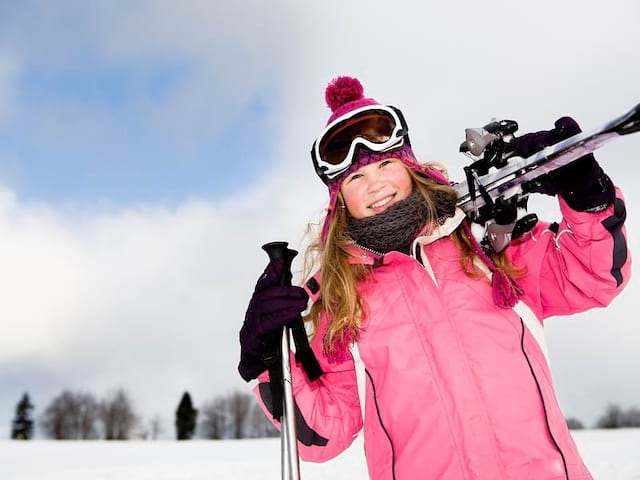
point(614, 224)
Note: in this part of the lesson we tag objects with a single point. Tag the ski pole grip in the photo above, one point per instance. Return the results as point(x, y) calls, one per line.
point(277, 250)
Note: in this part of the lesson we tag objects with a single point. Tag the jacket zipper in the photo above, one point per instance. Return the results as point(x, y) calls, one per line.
point(544, 407)
point(369, 250)
point(384, 429)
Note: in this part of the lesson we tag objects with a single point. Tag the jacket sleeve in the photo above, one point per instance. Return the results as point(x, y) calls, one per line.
point(328, 415)
point(576, 265)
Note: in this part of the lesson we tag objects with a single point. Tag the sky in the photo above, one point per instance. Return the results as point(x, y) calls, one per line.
point(147, 152)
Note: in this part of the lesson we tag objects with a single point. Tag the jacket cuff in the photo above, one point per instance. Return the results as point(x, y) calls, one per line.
point(575, 217)
point(594, 198)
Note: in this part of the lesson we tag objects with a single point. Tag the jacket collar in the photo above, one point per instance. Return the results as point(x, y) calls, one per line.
point(444, 230)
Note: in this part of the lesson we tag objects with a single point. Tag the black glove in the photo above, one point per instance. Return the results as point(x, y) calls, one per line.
point(582, 183)
point(271, 307)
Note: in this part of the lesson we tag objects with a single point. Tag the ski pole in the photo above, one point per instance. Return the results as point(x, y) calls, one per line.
point(290, 464)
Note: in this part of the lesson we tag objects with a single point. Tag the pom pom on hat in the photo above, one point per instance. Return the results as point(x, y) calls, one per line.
point(343, 90)
point(345, 94)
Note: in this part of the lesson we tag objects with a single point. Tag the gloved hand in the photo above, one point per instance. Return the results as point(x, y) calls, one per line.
point(271, 307)
point(582, 183)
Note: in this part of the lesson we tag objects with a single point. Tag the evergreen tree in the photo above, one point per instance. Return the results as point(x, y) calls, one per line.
point(22, 428)
point(186, 417)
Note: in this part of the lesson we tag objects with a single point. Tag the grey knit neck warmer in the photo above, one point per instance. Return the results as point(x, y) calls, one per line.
point(397, 227)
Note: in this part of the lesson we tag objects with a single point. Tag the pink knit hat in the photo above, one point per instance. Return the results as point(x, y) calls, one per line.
point(343, 95)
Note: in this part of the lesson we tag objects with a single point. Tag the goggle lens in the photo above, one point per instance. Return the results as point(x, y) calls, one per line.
point(376, 126)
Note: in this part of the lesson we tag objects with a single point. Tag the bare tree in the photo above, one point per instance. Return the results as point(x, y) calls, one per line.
point(56, 420)
point(238, 405)
point(87, 414)
point(632, 418)
point(71, 416)
point(117, 416)
point(235, 415)
point(215, 419)
point(574, 424)
point(613, 418)
point(155, 427)
point(258, 425)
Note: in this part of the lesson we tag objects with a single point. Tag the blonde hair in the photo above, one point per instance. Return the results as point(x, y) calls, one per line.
point(339, 279)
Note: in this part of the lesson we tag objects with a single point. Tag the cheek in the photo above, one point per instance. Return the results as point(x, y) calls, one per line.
point(404, 185)
point(354, 201)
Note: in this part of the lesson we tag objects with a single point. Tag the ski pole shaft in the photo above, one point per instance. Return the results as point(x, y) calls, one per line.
point(290, 464)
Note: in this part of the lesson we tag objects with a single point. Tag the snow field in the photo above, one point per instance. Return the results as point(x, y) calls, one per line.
point(610, 454)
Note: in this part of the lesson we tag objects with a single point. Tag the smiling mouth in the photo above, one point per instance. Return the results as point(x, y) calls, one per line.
point(382, 202)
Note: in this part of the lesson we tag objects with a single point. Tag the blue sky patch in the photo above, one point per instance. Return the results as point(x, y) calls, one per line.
point(83, 134)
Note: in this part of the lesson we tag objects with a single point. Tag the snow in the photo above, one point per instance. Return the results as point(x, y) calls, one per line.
point(610, 454)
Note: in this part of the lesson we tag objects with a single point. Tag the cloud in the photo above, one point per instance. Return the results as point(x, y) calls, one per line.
point(148, 297)
point(151, 295)
point(210, 60)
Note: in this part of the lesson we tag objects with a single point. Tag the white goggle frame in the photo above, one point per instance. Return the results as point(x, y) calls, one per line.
point(329, 171)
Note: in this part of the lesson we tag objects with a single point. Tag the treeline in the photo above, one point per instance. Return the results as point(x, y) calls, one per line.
point(616, 417)
point(613, 417)
point(82, 416)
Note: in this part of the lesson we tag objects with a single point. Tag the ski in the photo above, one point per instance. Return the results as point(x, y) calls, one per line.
point(507, 180)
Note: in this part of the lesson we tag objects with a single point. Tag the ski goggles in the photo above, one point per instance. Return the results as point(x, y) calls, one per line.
point(379, 128)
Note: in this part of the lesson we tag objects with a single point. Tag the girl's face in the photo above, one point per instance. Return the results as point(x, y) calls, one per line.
point(375, 187)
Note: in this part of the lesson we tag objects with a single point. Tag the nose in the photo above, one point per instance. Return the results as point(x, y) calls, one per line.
point(375, 182)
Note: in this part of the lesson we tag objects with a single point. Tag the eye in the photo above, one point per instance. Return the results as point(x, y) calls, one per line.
point(353, 177)
point(384, 163)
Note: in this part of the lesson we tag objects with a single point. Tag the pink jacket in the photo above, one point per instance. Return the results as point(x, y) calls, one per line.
point(455, 387)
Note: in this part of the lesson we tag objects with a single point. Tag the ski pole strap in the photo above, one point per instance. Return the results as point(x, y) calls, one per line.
point(275, 385)
point(304, 354)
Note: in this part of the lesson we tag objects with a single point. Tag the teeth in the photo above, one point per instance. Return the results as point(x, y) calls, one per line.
point(382, 202)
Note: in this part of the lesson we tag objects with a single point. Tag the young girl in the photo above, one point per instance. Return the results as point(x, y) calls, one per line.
point(427, 342)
